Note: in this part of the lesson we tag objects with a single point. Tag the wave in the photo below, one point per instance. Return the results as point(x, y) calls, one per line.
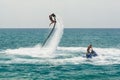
point(65, 55)
point(105, 55)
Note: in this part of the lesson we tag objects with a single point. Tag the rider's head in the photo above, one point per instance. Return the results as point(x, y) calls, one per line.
point(90, 45)
point(53, 14)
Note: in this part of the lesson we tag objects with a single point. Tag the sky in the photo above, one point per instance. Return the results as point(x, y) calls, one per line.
point(74, 13)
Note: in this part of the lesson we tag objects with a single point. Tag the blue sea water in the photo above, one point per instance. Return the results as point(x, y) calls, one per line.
point(68, 62)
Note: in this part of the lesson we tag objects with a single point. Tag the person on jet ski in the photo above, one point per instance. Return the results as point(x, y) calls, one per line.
point(90, 52)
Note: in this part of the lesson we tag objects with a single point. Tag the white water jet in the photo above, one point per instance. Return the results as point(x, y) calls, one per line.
point(54, 40)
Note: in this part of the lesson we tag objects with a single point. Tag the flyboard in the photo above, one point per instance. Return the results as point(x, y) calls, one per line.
point(49, 35)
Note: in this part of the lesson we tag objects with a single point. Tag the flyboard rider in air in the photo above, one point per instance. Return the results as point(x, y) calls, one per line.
point(52, 18)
